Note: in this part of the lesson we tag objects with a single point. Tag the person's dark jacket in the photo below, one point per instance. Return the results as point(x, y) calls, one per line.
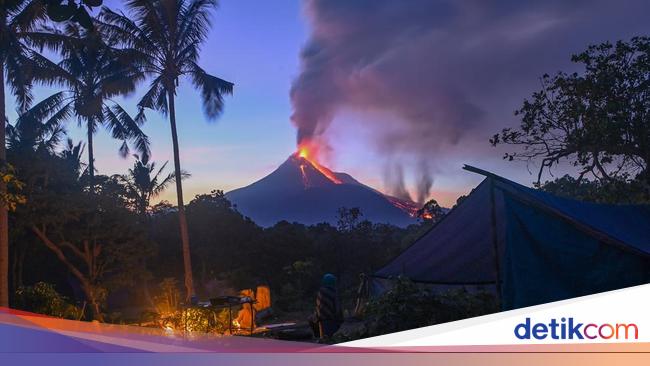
point(328, 306)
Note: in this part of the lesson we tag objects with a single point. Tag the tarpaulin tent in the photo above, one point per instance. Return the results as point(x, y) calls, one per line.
point(530, 246)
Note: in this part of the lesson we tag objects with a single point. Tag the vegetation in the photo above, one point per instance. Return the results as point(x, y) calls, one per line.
point(110, 246)
point(92, 73)
point(101, 244)
point(42, 298)
point(407, 305)
point(596, 121)
point(113, 243)
point(168, 35)
point(19, 62)
point(142, 184)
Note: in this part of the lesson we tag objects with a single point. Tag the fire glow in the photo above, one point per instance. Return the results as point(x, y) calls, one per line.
point(309, 152)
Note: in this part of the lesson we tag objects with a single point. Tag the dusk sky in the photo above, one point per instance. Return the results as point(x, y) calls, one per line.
point(389, 86)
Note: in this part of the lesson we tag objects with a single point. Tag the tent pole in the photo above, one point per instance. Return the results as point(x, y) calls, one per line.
point(495, 242)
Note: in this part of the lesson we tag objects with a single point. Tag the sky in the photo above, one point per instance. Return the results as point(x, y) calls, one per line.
point(400, 94)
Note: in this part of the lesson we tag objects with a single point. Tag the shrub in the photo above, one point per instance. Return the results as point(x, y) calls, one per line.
point(197, 319)
point(407, 306)
point(42, 298)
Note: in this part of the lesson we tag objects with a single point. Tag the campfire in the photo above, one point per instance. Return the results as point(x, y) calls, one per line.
point(226, 315)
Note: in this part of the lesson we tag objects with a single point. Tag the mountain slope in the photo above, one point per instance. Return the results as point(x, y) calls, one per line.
point(303, 191)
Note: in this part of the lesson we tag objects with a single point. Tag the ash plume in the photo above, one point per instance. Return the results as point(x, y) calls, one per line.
point(448, 71)
point(424, 182)
point(394, 181)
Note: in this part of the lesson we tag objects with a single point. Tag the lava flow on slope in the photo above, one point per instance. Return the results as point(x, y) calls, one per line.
point(302, 190)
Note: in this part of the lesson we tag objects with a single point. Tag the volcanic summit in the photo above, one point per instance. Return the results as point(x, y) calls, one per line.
point(301, 190)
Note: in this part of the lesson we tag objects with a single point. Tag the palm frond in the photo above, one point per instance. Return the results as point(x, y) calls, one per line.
point(45, 108)
point(52, 141)
point(155, 98)
point(56, 120)
point(212, 90)
point(124, 150)
point(25, 18)
point(18, 80)
point(43, 39)
point(195, 21)
point(121, 30)
point(126, 128)
point(161, 186)
point(151, 22)
point(117, 82)
point(46, 72)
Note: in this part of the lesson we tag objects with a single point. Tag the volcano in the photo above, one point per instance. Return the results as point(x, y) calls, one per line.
point(301, 190)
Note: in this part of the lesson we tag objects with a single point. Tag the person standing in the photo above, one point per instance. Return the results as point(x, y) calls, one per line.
point(329, 313)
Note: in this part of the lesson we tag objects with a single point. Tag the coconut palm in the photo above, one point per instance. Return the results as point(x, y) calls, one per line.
point(72, 155)
point(144, 182)
point(19, 20)
point(28, 135)
point(169, 33)
point(93, 73)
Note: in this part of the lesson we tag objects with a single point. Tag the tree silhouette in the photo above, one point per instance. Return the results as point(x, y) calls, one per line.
point(94, 73)
point(19, 34)
point(431, 211)
point(169, 34)
point(596, 120)
point(143, 182)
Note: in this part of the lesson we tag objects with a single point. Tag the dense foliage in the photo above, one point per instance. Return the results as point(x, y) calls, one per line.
point(597, 121)
point(407, 305)
point(42, 298)
point(96, 243)
point(289, 257)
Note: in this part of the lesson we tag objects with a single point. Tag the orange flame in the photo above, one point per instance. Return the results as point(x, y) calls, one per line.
point(309, 151)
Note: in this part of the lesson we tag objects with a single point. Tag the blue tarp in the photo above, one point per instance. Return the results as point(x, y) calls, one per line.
point(549, 259)
point(549, 248)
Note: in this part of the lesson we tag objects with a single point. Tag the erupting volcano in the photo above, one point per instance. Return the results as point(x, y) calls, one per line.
point(307, 153)
point(302, 190)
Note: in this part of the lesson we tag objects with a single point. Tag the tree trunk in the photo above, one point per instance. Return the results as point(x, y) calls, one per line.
point(182, 221)
point(4, 214)
point(147, 294)
point(17, 267)
point(87, 286)
point(89, 291)
point(91, 158)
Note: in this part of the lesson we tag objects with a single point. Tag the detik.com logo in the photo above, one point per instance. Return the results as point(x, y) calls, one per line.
point(568, 328)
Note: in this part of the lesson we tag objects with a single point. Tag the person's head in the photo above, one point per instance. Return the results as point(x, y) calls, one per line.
point(329, 280)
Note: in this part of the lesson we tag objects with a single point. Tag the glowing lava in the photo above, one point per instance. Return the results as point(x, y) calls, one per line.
point(407, 206)
point(303, 153)
point(309, 153)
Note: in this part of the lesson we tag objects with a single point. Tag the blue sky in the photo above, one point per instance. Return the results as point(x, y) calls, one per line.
point(489, 53)
point(254, 44)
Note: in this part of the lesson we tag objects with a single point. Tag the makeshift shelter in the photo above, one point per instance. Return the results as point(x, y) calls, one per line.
point(530, 246)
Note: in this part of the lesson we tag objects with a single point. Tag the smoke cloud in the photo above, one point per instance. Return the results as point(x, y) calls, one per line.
point(394, 179)
point(448, 71)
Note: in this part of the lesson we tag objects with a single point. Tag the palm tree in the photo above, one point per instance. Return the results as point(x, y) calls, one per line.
point(169, 34)
point(28, 135)
point(142, 184)
point(22, 65)
point(72, 155)
point(30, 146)
point(93, 73)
